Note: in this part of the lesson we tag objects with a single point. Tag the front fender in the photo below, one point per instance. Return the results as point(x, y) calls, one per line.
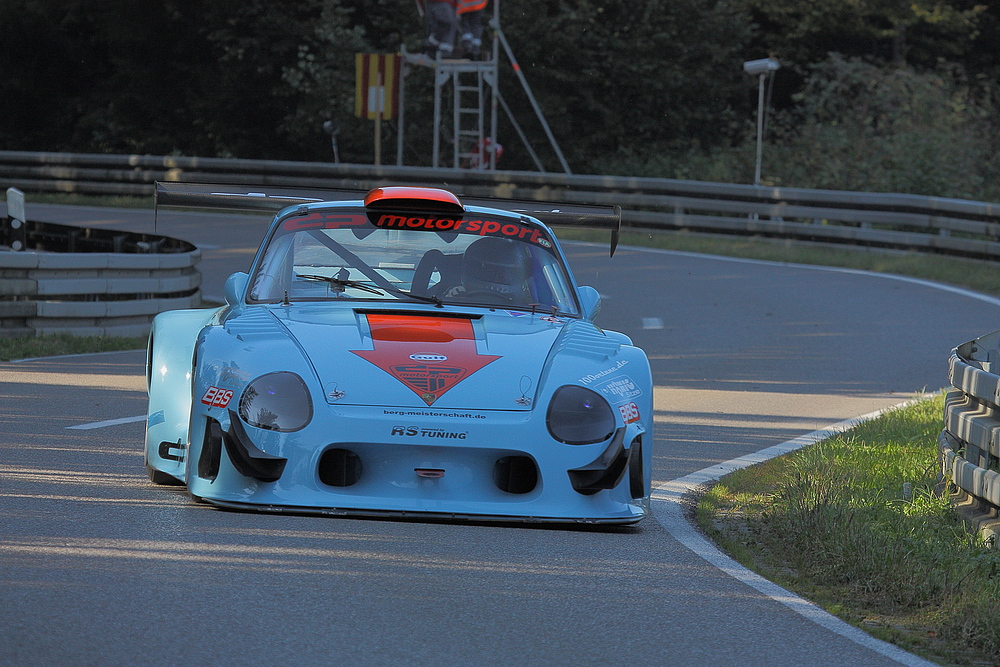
point(169, 363)
point(609, 365)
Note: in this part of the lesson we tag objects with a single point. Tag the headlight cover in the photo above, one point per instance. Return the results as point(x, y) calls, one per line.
point(579, 416)
point(276, 402)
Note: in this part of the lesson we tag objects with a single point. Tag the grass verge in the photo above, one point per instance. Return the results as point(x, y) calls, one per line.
point(854, 524)
point(981, 276)
point(28, 347)
point(79, 199)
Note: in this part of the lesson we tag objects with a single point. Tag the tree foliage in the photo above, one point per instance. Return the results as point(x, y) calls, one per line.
point(257, 79)
point(618, 77)
point(652, 88)
point(861, 126)
point(915, 32)
point(150, 76)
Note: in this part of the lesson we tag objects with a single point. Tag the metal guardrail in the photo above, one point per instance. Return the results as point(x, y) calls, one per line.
point(65, 279)
point(969, 445)
point(929, 224)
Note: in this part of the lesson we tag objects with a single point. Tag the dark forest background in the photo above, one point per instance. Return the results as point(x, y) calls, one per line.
point(872, 95)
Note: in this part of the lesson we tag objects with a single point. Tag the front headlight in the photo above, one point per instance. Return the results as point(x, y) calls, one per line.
point(276, 401)
point(579, 416)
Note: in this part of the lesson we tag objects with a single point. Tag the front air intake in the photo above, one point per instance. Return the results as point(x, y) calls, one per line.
point(339, 467)
point(515, 474)
point(211, 451)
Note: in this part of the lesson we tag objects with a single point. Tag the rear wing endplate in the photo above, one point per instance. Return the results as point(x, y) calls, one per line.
point(271, 199)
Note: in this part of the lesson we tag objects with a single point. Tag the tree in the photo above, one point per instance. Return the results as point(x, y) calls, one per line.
point(244, 102)
point(627, 87)
point(916, 32)
point(611, 76)
point(323, 76)
point(861, 126)
point(199, 77)
point(618, 77)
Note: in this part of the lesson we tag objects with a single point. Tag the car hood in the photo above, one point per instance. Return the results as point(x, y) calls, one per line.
point(424, 359)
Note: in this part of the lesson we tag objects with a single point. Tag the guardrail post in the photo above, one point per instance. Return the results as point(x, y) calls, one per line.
point(17, 218)
point(969, 445)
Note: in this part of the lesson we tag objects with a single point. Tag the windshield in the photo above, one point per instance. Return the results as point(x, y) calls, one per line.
point(358, 261)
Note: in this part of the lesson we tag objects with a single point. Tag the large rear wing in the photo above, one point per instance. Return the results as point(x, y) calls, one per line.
point(270, 199)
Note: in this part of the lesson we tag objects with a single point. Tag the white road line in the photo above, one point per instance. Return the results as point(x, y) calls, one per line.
point(71, 356)
point(652, 323)
point(109, 422)
point(668, 510)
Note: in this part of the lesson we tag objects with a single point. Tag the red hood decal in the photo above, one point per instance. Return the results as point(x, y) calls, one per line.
point(430, 355)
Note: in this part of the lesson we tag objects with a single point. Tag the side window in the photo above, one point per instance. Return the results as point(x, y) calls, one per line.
point(552, 283)
point(274, 274)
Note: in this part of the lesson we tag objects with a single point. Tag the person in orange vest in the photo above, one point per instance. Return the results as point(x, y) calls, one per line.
point(470, 27)
point(441, 26)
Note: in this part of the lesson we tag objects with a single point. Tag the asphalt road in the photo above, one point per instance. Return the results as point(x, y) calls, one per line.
point(98, 566)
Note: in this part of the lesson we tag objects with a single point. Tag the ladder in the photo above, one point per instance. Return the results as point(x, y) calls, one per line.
point(469, 81)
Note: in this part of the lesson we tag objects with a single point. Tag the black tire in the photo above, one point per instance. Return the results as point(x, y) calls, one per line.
point(636, 478)
point(162, 478)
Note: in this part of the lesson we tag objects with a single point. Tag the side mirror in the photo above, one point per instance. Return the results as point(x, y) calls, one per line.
point(236, 286)
point(590, 301)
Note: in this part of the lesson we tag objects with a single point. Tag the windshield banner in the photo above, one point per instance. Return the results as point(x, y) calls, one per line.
point(502, 228)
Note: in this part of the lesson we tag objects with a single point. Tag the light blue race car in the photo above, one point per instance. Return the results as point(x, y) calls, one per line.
point(407, 354)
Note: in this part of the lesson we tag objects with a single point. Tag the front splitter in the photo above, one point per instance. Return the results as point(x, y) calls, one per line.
point(419, 515)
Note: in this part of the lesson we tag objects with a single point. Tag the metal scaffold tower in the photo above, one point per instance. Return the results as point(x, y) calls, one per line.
point(471, 87)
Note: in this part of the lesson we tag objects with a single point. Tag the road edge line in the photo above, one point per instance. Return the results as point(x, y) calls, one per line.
point(667, 507)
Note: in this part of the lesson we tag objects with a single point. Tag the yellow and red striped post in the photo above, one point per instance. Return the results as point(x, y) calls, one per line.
point(376, 93)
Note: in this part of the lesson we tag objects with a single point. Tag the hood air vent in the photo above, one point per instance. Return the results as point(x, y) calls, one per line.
point(583, 339)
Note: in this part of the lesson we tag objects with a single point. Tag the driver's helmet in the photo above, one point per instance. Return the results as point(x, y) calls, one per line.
point(498, 265)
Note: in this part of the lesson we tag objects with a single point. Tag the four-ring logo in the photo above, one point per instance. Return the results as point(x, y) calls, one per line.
point(428, 358)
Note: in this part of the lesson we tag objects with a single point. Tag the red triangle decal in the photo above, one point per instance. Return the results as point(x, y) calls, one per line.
point(430, 355)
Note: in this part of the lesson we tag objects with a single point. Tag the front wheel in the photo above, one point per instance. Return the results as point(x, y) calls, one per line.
point(636, 477)
point(162, 478)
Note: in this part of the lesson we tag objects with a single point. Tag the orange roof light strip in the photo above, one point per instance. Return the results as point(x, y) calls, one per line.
point(413, 198)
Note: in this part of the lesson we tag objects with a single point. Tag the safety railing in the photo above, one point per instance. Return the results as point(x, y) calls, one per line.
point(65, 279)
point(969, 445)
point(929, 224)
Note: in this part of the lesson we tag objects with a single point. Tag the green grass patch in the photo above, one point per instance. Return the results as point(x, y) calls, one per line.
point(28, 347)
point(855, 524)
point(981, 276)
point(79, 199)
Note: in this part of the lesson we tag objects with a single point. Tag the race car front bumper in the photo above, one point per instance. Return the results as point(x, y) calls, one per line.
point(489, 465)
